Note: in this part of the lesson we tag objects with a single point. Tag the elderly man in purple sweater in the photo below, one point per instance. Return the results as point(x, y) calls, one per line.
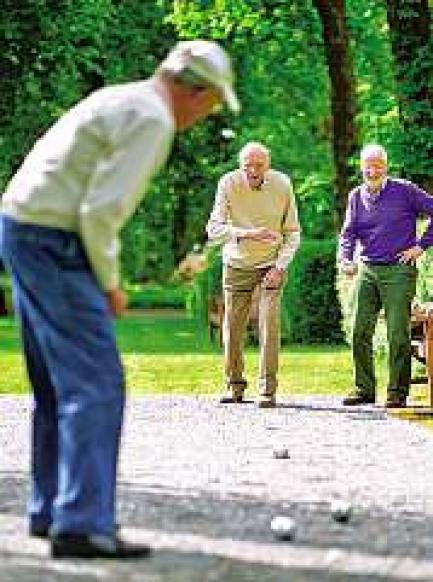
point(381, 218)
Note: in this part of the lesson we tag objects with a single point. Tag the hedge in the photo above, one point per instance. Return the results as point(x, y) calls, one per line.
point(310, 307)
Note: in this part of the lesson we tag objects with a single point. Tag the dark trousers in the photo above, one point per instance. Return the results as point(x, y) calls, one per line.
point(393, 288)
point(76, 375)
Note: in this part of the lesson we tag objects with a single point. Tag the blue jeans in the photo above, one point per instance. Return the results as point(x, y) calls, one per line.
point(76, 375)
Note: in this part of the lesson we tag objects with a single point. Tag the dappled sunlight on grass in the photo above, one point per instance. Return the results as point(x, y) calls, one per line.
point(13, 377)
point(163, 353)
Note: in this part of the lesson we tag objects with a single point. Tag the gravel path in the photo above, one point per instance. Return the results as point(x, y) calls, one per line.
point(199, 480)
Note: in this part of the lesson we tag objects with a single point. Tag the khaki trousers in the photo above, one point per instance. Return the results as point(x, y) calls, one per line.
point(239, 285)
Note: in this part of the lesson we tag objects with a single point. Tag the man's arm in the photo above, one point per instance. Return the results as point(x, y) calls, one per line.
point(291, 231)
point(219, 227)
point(423, 203)
point(424, 206)
point(348, 237)
point(115, 189)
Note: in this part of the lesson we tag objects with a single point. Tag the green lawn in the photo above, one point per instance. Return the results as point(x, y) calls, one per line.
point(162, 353)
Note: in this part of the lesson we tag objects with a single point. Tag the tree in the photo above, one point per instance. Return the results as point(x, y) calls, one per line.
point(343, 100)
point(410, 24)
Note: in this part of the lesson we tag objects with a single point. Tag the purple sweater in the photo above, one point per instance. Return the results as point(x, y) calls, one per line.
point(385, 223)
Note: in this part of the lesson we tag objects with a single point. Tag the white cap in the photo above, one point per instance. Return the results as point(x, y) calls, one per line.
point(208, 61)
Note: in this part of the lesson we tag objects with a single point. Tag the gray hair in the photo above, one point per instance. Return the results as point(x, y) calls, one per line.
point(373, 150)
point(254, 145)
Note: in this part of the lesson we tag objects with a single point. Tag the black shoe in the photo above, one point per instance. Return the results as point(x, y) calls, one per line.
point(39, 531)
point(43, 531)
point(357, 398)
point(68, 545)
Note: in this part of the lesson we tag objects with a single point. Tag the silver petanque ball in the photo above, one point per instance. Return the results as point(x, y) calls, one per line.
point(283, 527)
point(281, 453)
point(341, 510)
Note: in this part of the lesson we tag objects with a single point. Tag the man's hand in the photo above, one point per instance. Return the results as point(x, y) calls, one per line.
point(261, 234)
point(410, 255)
point(117, 301)
point(348, 268)
point(273, 278)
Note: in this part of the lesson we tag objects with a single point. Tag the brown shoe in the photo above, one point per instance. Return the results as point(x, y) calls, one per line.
point(231, 397)
point(357, 398)
point(266, 401)
point(234, 393)
point(395, 400)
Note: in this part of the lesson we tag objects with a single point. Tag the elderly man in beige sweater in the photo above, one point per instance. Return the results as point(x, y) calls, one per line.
point(255, 216)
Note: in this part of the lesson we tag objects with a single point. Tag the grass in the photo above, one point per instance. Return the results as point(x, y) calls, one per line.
point(165, 354)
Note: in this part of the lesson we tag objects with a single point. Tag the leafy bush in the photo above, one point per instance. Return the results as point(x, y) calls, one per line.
point(311, 311)
point(206, 285)
point(153, 295)
point(310, 308)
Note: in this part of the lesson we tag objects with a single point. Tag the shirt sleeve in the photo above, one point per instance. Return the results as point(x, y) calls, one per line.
point(291, 231)
point(348, 235)
point(424, 206)
point(219, 227)
point(136, 150)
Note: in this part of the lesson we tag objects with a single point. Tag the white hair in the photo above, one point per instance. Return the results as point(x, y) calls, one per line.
point(373, 150)
point(254, 146)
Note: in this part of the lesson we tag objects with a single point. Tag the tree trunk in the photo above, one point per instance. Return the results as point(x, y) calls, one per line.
point(343, 101)
point(412, 47)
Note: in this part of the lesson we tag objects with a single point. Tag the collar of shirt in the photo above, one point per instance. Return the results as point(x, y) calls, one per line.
point(373, 195)
point(262, 185)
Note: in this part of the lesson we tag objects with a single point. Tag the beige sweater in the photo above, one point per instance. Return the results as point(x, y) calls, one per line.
point(238, 208)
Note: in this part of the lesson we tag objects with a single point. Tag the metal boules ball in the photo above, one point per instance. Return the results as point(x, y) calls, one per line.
point(281, 453)
point(341, 510)
point(283, 527)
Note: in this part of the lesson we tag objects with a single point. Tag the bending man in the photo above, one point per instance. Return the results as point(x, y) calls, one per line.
point(255, 216)
point(61, 217)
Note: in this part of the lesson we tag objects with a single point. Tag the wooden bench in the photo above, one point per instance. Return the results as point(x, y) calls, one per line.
point(215, 316)
point(422, 342)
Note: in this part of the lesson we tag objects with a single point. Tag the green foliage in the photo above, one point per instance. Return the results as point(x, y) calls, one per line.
point(54, 53)
point(310, 309)
point(154, 296)
point(377, 118)
point(411, 34)
point(282, 87)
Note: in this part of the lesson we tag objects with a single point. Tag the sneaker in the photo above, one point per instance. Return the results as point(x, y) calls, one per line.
point(68, 545)
point(395, 400)
point(357, 398)
point(266, 401)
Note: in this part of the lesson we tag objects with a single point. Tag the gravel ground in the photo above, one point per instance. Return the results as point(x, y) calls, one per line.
point(192, 467)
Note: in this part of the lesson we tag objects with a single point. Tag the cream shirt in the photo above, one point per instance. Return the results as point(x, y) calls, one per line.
point(239, 208)
point(88, 173)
